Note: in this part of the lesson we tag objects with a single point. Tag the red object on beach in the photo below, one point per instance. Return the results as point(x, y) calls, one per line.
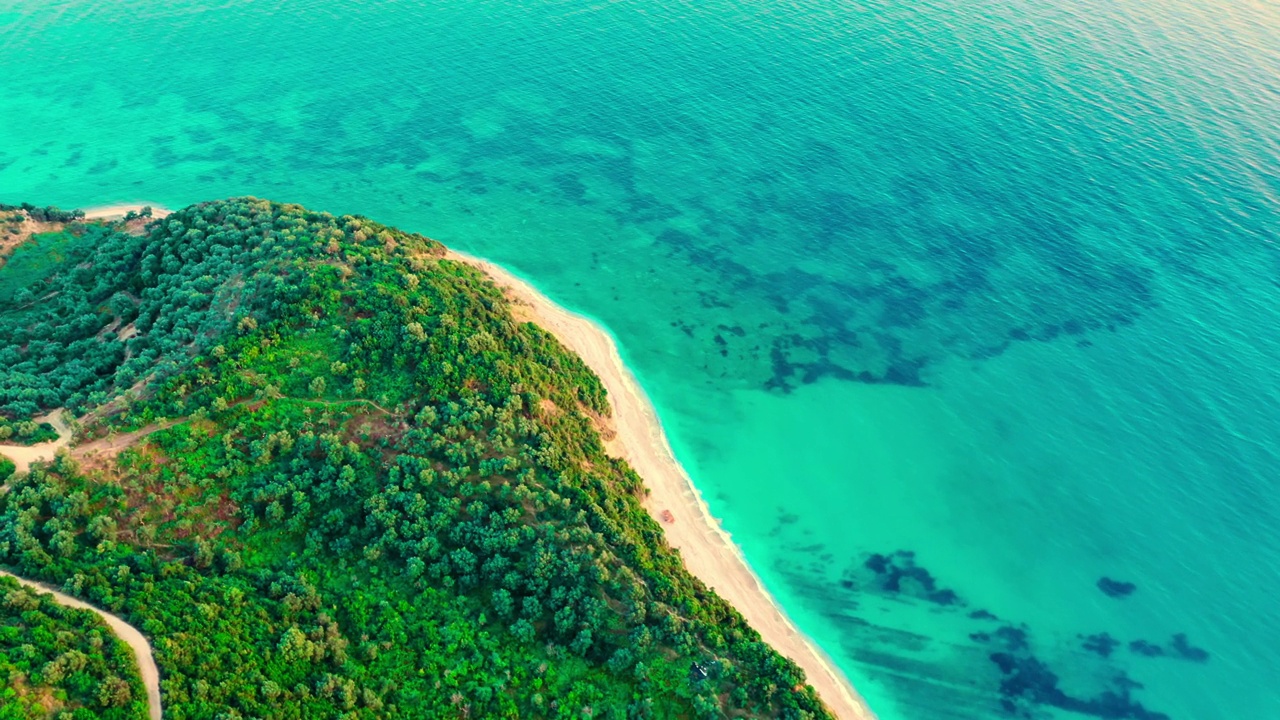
point(667, 517)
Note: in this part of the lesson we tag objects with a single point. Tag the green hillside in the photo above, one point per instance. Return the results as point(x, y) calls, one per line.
point(351, 484)
point(63, 663)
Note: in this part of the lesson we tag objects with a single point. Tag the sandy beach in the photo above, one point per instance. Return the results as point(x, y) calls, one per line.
point(108, 212)
point(708, 551)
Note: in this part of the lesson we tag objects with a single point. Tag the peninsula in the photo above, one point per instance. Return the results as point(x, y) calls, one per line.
point(330, 466)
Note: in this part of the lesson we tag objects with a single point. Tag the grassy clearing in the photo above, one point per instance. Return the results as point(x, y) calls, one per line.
point(33, 262)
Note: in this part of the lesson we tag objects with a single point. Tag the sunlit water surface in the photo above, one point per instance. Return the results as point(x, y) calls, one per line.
point(952, 307)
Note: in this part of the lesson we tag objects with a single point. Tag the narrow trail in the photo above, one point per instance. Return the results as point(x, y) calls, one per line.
point(111, 445)
point(123, 630)
point(23, 456)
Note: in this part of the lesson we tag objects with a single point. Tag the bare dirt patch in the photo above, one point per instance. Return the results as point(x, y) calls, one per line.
point(118, 212)
point(101, 453)
point(608, 431)
point(520, 310)
point(14, 234)
point(23, 455)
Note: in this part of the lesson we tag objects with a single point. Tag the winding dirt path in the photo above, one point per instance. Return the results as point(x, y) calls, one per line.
point(111, 445)
point(123, 630)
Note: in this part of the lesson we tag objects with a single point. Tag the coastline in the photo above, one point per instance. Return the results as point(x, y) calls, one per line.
point(109, 212)
point(707, 550)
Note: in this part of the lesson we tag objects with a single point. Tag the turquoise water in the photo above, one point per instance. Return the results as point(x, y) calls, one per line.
point(991, 283)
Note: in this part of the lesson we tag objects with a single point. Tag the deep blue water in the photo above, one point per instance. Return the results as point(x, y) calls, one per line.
point(951, 308)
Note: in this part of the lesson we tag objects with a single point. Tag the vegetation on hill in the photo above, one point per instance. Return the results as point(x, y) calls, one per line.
point(25, 432)
point(45, 214)
point(59, 662)
point(357, 487)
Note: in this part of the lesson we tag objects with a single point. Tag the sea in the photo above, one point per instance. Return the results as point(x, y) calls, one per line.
point(964, 315)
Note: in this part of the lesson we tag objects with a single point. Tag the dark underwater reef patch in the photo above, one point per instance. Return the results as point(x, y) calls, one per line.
point(902, 286)
point(1146, 648)
point(991, 669)
point(870, 320)
point(1116, 588)
point(1100, 643)
point(1187, 651)
point(1027, 681)
point(1178, 647)
point(898, 574)
point(866, 286)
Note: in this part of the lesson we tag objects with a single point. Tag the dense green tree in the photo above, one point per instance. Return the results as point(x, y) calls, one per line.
point(62, 662)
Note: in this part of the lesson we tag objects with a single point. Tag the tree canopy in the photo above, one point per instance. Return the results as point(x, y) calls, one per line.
point(355, 486)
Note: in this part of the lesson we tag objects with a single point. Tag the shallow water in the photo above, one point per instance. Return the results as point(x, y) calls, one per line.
point(990, 283)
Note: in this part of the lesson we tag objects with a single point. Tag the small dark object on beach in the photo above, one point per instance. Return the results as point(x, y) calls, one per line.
point(1116, 588)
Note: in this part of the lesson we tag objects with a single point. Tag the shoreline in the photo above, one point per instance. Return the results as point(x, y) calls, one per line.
point(110, 212)
point(707, 550)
